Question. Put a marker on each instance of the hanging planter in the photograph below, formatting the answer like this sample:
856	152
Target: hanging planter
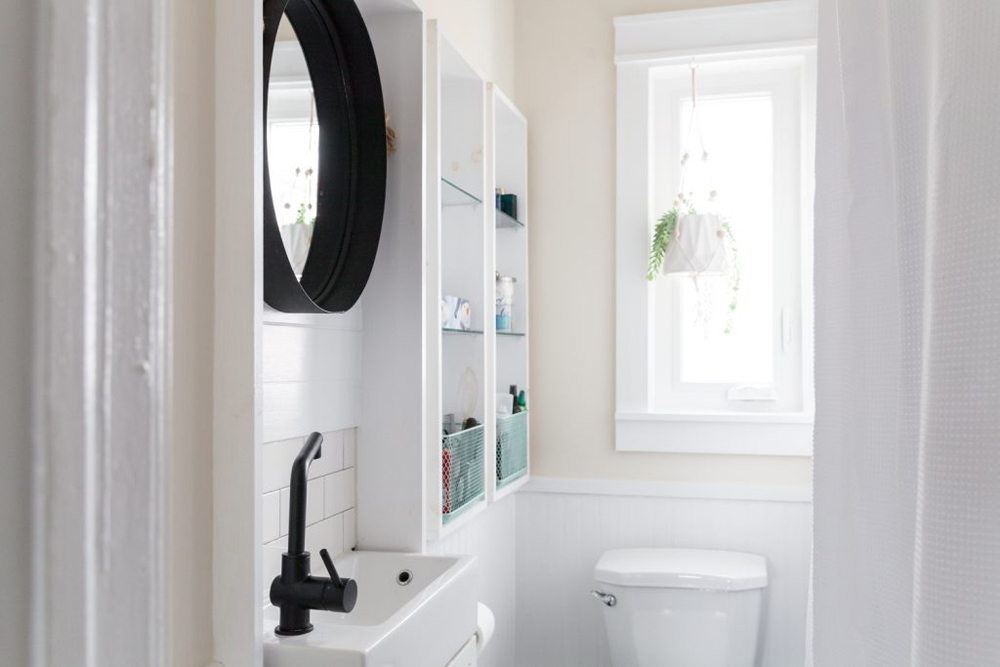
697	247
297	237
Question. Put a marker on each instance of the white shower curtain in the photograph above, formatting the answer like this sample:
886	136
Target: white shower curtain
907	446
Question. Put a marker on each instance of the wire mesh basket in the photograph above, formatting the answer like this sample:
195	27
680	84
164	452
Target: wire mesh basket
462	471
512	447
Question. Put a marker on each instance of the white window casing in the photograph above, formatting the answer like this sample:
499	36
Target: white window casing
654	411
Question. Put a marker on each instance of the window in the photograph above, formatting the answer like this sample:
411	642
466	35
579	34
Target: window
705	355
693	373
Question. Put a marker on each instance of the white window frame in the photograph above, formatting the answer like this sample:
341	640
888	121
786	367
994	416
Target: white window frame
653	40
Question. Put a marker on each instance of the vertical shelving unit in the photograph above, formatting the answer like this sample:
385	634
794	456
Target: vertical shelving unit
509	458
476	142
457	240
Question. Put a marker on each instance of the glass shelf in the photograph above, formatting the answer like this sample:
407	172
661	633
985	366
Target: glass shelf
461	331
452	195
504	221
510	333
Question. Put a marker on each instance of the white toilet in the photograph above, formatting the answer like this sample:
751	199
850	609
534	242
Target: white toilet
681	607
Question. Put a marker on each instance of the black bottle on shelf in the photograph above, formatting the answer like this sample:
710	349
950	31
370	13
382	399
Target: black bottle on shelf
515	407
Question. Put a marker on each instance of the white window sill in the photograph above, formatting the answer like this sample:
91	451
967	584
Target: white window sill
762	434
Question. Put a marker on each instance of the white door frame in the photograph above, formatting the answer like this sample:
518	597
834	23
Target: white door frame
102	333
237	376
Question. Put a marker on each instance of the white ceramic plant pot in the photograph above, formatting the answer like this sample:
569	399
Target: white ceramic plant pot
297	238
697	247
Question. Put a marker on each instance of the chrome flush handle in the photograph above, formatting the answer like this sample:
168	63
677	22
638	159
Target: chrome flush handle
607	598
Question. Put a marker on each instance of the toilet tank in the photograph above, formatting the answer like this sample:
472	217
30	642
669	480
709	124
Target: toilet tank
682	607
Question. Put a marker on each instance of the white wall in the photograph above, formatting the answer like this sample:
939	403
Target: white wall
483	32
16	252
560	537
566	87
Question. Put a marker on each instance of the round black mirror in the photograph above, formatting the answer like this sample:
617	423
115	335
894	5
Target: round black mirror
324	155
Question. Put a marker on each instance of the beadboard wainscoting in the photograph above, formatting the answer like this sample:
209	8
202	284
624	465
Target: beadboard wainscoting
491	538
564	526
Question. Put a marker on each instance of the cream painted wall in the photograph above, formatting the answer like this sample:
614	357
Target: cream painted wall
566	87
193	285
483	32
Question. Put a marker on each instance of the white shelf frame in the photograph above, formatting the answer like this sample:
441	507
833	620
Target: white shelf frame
439	52
498	101
436	347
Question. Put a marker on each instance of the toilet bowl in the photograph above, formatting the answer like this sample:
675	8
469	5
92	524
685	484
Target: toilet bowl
681	607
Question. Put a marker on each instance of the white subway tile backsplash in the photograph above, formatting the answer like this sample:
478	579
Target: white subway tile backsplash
314	501
271	516
278	458
314	504
285	495
340	492
350	530
333	455
327	534
277	463
270	565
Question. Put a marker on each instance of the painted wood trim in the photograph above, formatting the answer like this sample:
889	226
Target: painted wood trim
607	487
392	429
735	28
722	434
489	325
495	97
102	360
236	459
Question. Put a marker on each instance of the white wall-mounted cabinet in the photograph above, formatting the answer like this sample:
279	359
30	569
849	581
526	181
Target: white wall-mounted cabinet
467	242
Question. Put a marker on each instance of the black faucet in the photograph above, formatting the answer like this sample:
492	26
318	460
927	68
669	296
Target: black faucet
295	591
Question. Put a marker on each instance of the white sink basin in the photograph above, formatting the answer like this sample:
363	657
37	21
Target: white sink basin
421	624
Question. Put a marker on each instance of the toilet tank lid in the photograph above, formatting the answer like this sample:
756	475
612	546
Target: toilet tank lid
682	568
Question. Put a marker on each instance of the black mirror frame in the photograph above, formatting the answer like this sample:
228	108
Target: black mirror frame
351	182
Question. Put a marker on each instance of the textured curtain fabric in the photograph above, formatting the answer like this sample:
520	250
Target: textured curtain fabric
907	445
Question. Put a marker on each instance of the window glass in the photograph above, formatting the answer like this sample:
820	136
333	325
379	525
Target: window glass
717	344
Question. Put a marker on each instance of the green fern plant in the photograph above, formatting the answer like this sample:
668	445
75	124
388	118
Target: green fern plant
662	235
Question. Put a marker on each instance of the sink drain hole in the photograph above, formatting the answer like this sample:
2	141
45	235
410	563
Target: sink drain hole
404	577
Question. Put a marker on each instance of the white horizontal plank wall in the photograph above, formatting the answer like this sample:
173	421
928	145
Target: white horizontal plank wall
312	373
491	538
392	417
560	537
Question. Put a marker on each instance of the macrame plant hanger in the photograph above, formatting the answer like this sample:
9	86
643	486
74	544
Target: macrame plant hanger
697	248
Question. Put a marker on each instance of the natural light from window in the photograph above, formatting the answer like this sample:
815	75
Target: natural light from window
718	345
729	340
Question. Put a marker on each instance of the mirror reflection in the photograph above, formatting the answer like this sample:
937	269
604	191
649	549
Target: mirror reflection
293	146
